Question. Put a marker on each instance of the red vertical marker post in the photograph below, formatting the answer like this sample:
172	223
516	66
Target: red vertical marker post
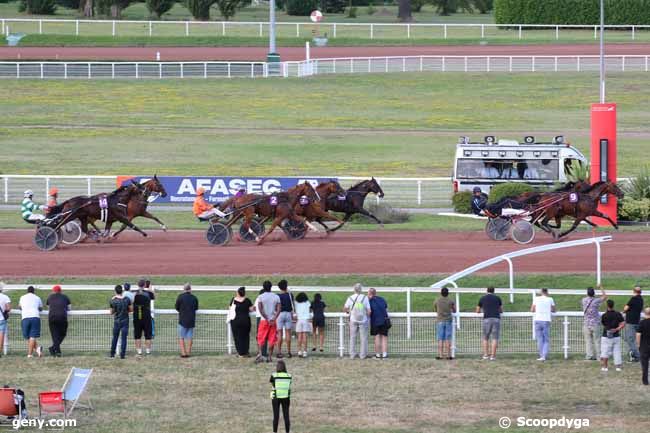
603	155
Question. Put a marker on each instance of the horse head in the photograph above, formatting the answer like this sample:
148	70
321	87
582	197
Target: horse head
373	186
330	187
612	188
154	185
307	189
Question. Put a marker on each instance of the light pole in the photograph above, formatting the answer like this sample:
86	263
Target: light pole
273	56
602	52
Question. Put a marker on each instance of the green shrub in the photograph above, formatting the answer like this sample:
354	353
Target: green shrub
578	171
200	9
301	8
509	189
416	5
352	12
638	187
333	6
70	4
462	202
157	8
371	10
38	7
635	210
384	212
361	2
586	12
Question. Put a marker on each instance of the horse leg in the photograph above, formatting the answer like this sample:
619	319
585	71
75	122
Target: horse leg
119	231
575	225
146	214
276	222
129	224
345	219
597	213
362	211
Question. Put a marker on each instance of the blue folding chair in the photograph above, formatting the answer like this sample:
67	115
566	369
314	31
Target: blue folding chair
75	387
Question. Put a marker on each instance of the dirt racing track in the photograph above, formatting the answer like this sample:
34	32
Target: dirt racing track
382	252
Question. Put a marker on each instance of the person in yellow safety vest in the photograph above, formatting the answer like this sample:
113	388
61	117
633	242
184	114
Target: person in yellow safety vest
202	209
281	396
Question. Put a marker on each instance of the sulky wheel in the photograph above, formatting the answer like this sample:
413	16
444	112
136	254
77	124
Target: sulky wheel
247	236
294	230
70	233
46	238
219	234
522	232
498	228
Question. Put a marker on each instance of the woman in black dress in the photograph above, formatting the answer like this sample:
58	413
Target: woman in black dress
318	308
241	324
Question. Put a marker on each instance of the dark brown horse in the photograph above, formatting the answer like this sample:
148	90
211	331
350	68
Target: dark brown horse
353	199
579	205
104	207
137	206
278	207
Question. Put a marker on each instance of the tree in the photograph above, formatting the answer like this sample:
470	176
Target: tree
228	8
483	6
448	7
200	9
404	11
158	8
87	8
112	8
37	7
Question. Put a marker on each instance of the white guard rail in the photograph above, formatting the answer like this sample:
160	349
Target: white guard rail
549	32
349	65
90	331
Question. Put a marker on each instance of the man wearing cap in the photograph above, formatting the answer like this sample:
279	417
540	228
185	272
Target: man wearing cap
59	305
53	197
479	200
202	209
632	311
27	208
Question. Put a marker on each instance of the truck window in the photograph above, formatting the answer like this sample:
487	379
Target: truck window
517	169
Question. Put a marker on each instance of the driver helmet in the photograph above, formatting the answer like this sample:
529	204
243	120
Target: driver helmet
477	189
200	191
53	191
28	194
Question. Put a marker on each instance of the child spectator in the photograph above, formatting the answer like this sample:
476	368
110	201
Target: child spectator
318	321
303	326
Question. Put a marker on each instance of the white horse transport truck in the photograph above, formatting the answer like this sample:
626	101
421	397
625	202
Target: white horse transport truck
492	161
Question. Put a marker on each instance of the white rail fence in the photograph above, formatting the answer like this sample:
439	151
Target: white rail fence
350	65
91	331
403	192
334	30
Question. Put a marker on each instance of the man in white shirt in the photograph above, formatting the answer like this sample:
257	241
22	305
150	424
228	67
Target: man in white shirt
30	310
5	307
543	307
358	307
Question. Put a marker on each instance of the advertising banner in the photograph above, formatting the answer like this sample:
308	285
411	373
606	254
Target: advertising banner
182	189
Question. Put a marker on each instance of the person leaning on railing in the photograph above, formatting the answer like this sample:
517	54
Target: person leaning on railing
591	322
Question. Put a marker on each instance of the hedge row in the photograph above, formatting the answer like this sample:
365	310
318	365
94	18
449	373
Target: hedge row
585	12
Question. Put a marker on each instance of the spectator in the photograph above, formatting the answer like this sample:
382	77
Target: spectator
285	319
258	317
632	311
492	307
149	290
445	308
379	323
543	307
30	310
613	323
5	308
120	309
186	305
269	306
358	307
318	321
59	305
281	396
127	293
142	323
643	341
241	324
591	322
303	325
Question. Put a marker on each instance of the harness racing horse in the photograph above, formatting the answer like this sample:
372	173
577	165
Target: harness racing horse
580	206
137	206
352	201
316	210
106	207
279	207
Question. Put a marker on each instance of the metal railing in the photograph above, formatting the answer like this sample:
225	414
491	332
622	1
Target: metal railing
85	27
348	65
402	192
492	64
411	333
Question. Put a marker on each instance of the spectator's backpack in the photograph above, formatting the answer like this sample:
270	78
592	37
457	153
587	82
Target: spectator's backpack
358	311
